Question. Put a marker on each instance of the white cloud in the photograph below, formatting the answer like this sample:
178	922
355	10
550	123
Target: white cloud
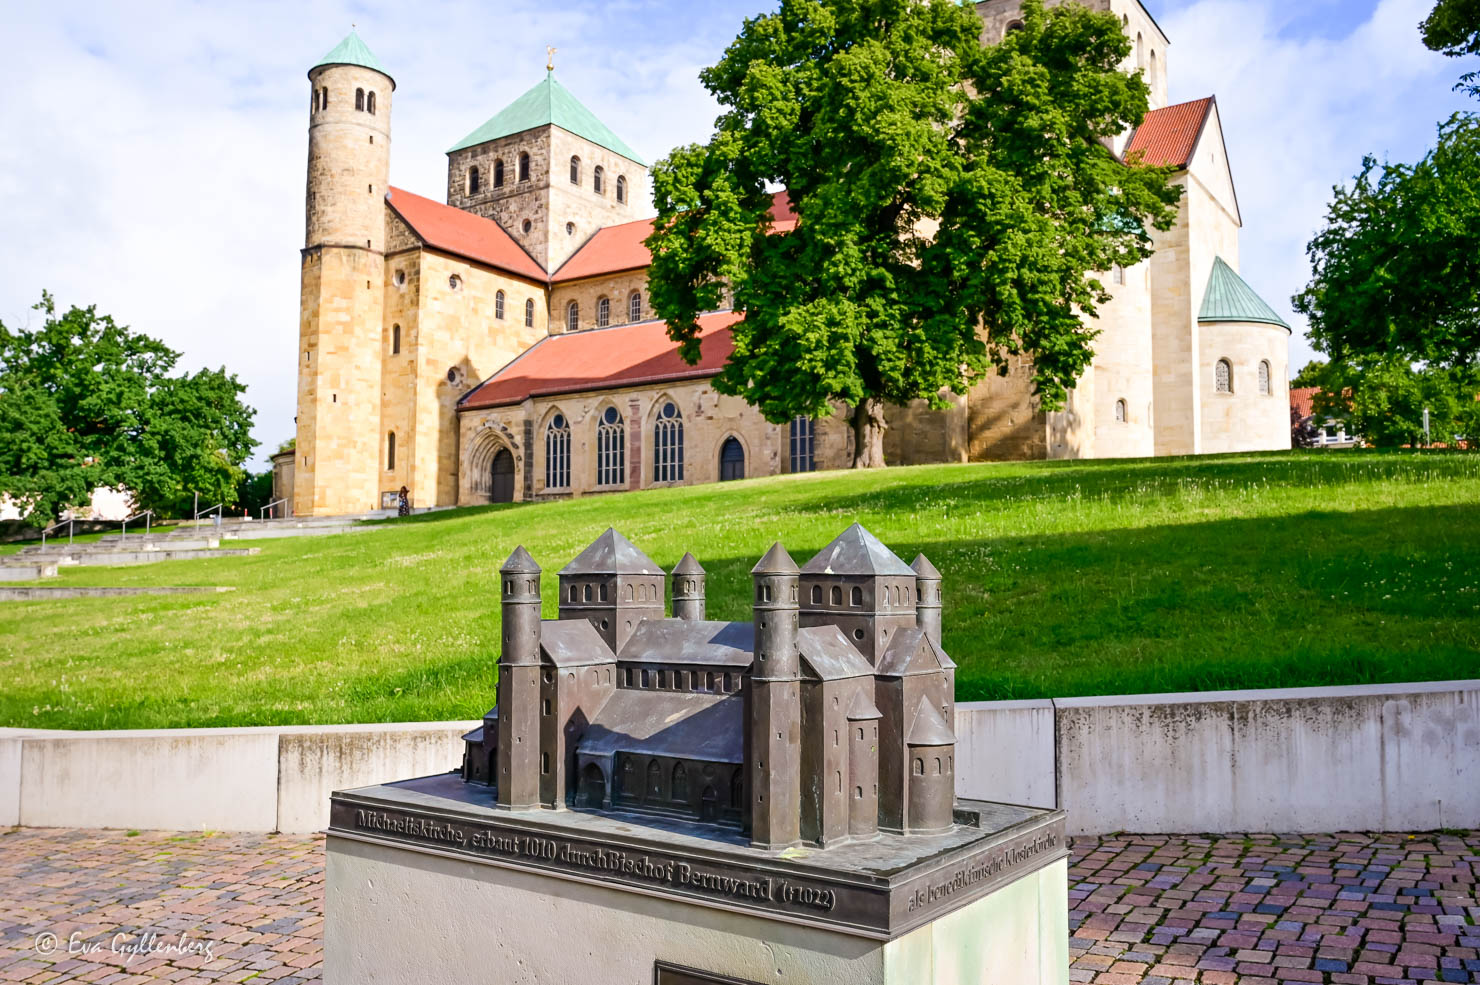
1300	112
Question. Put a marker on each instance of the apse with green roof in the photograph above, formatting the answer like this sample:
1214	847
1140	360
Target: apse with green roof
1229	298
548	171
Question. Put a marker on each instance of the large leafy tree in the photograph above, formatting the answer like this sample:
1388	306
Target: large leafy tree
953	202
1453	27
85	402
1396	270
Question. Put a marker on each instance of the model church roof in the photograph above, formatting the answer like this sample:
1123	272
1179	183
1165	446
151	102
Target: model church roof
611	554
855	551
353	51
1230	298
684	641
548	104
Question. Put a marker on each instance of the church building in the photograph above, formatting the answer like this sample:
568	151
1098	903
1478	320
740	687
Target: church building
500	346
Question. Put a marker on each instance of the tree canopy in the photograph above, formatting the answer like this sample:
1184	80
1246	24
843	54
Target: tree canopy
1453	27
953	203
1396	270
1384	400
85	403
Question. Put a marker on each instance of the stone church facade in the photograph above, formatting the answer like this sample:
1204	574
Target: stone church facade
500	346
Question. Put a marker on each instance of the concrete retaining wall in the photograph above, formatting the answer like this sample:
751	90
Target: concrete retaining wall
1380	757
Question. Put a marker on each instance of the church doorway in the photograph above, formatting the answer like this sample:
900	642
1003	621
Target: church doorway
731	460
709	804
593	787
502	489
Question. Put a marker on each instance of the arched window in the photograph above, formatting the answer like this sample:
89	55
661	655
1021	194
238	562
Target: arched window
390	452
621	189
680	791
557	454
1117	274
611	449
919	767
575	170
855	597
603	312
572	316
529	312
498	305
654	782
360	99
1265	386
498	173
1120	410
668	445
816	594
1140	51
1223	376
634	306
1014	26
731	460
370	102
837	595
473	182
802	437
598	180
524	168
324	98
395	340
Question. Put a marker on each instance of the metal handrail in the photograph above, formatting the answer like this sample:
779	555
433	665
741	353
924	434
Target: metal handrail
211	509
71	529
148	516
275	502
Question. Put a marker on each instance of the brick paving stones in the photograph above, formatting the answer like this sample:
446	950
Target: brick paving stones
1343	909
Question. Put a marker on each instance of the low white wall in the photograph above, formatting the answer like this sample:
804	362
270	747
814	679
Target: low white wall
1380	757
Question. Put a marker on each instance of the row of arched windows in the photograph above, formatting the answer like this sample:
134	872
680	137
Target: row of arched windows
603	312
476	177
364	101
598	179
1223	377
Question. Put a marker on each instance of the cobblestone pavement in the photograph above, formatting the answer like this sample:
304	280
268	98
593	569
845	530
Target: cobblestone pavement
1145	910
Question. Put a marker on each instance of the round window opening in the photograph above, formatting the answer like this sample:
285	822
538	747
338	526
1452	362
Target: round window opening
528	225
670	411
559	422
454	282
858	634
570	229
611	416
400	278
452	375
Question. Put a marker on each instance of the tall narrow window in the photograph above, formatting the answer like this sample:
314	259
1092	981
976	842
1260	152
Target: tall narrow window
1223	376
498	173
575	170
1117	274
1120	410
557	454
572	316
603	312
360	99
370	102
395	340
390	452
668	445
498	305
634	306
529	312
621	190
680	785
611	449
803	433
473	180
598	180
524	167
324	98
1265	386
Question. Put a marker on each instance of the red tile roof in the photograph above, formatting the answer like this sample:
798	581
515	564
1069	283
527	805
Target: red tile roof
1301	399
1168	136
603	359
443	227
613	249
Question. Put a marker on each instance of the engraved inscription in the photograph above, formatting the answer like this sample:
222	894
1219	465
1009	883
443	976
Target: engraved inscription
984	867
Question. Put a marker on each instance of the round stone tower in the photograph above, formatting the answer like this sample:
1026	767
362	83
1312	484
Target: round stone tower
341	454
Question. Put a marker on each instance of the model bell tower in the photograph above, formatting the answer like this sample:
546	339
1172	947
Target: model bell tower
518	778
774	756
339	453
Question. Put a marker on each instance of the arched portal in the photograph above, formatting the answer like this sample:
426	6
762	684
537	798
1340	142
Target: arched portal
501	488
731	460
593	787
709	804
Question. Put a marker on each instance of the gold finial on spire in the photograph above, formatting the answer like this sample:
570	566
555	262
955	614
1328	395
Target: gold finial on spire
550	58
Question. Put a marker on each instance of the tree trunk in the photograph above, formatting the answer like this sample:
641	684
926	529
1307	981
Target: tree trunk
868	434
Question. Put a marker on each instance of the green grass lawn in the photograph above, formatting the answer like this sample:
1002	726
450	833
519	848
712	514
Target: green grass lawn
1337	567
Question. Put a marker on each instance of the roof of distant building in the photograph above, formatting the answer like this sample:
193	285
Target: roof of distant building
462	233
604	358
1168	137
548	103
1303	399
353	51
1230	298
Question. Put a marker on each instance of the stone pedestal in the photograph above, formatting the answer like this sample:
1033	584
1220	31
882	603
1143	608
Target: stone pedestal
428	883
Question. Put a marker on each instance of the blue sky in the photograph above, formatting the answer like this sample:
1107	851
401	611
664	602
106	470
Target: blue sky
153	161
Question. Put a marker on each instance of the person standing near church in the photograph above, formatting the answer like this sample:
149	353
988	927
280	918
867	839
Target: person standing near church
403	502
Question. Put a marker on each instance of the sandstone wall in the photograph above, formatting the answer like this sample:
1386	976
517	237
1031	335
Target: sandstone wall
1173	341
515	202
1122	368
577	210
1245	419
586	293
348	160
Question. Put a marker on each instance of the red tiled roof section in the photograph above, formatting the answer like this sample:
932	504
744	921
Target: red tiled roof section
613	249
1301	398
604	359
1168	136
462	233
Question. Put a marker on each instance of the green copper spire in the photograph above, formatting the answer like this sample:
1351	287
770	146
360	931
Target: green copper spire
548	103
1228	298
352	51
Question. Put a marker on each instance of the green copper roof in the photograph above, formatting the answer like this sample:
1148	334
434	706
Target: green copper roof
352	51
1228	298
548	103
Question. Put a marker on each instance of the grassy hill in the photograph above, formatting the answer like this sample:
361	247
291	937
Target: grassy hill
1060	578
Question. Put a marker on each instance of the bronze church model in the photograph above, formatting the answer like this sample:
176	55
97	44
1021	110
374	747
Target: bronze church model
827	719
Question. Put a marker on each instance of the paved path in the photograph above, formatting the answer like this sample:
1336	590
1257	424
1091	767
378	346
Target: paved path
1342	909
